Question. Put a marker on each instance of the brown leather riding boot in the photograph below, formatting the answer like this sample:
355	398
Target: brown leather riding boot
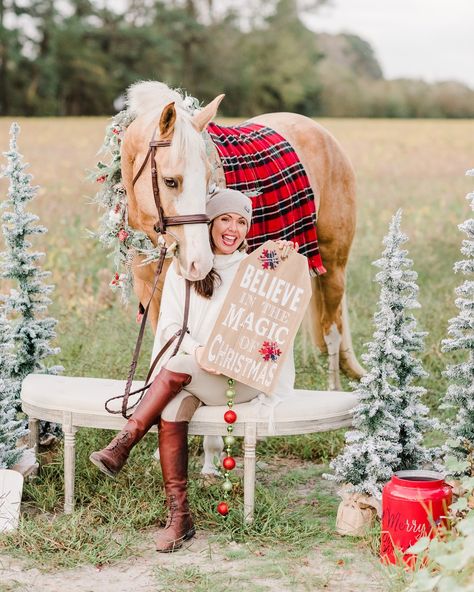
165	387
173	444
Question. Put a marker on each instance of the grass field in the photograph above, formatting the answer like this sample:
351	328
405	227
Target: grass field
416	165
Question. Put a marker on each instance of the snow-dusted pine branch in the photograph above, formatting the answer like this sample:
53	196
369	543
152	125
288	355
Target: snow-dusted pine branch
28	299
11	429
390	420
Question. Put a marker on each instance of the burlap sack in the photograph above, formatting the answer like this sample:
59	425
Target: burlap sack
356	513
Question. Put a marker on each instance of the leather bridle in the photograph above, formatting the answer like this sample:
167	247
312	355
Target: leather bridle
160	228
164	221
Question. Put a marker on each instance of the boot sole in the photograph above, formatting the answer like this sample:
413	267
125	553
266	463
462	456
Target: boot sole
100	465
177	544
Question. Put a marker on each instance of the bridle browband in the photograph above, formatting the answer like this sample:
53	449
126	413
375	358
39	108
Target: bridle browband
160	228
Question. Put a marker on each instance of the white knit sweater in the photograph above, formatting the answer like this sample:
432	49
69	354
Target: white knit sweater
203	313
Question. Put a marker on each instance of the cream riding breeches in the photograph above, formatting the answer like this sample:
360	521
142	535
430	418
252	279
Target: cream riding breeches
204	389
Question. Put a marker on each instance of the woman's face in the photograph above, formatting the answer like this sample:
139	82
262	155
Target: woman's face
228	232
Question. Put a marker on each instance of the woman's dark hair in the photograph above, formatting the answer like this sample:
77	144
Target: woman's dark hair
205	287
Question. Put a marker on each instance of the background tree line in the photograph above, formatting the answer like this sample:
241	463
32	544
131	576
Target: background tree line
76	57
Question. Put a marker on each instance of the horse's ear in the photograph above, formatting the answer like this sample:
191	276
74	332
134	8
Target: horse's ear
167	120
203	117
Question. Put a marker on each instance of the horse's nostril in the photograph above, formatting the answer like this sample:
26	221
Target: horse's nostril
196	268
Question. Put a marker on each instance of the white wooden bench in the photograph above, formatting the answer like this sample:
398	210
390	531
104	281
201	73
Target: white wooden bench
76	402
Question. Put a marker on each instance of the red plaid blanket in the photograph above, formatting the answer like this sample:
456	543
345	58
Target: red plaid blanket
261	163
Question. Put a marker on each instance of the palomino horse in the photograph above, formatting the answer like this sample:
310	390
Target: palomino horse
183	177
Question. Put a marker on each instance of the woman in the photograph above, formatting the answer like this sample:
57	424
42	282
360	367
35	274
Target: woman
183	382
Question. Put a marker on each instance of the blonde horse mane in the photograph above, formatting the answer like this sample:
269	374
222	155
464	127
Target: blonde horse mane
148	99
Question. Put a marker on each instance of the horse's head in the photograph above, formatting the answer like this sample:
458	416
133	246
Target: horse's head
182	171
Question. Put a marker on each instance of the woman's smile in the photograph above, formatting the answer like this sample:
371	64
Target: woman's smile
228	239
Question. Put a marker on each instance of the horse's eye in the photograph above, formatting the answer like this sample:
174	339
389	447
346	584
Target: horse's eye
170	182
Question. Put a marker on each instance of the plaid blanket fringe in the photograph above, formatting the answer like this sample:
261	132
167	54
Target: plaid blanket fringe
261	163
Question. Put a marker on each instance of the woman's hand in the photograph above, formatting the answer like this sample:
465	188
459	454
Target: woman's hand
286	246
198	355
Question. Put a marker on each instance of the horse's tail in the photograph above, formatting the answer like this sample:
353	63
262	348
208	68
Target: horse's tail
312	329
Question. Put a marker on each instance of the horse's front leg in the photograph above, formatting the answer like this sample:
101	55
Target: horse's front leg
143	279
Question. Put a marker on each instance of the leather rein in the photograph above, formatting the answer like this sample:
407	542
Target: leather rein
160	228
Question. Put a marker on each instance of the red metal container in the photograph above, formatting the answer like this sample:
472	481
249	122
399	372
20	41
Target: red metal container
413	505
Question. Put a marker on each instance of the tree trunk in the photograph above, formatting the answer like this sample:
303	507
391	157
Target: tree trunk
188	44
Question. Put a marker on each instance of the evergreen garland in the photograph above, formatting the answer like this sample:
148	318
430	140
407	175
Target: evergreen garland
28	300
114	233
460	392
390	419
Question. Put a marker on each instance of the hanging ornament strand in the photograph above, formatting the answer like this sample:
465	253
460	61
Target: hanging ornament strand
228	462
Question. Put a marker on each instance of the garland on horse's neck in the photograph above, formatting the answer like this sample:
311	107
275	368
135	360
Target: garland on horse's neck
114	233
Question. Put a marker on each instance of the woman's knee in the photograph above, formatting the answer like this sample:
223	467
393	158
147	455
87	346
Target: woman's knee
184	363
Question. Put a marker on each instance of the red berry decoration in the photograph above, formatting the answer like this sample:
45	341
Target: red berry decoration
223	509
230	416
228	463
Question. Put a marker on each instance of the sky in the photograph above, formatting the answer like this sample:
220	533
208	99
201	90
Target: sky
428	39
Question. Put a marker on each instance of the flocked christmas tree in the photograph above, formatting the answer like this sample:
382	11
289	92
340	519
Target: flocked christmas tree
11	429
27	301
460	392
390	420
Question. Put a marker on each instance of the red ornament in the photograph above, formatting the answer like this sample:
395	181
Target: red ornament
230	416
228	463
101	179
223	509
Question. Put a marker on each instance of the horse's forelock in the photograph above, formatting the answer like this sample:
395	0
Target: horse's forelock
150	97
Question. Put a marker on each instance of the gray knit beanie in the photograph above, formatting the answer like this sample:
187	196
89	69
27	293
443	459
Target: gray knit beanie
229	201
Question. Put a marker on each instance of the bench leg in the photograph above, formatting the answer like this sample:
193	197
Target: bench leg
33	436
33	442
250	442
69	462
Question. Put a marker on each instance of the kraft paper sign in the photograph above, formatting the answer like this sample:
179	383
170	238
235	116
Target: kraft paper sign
260	317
